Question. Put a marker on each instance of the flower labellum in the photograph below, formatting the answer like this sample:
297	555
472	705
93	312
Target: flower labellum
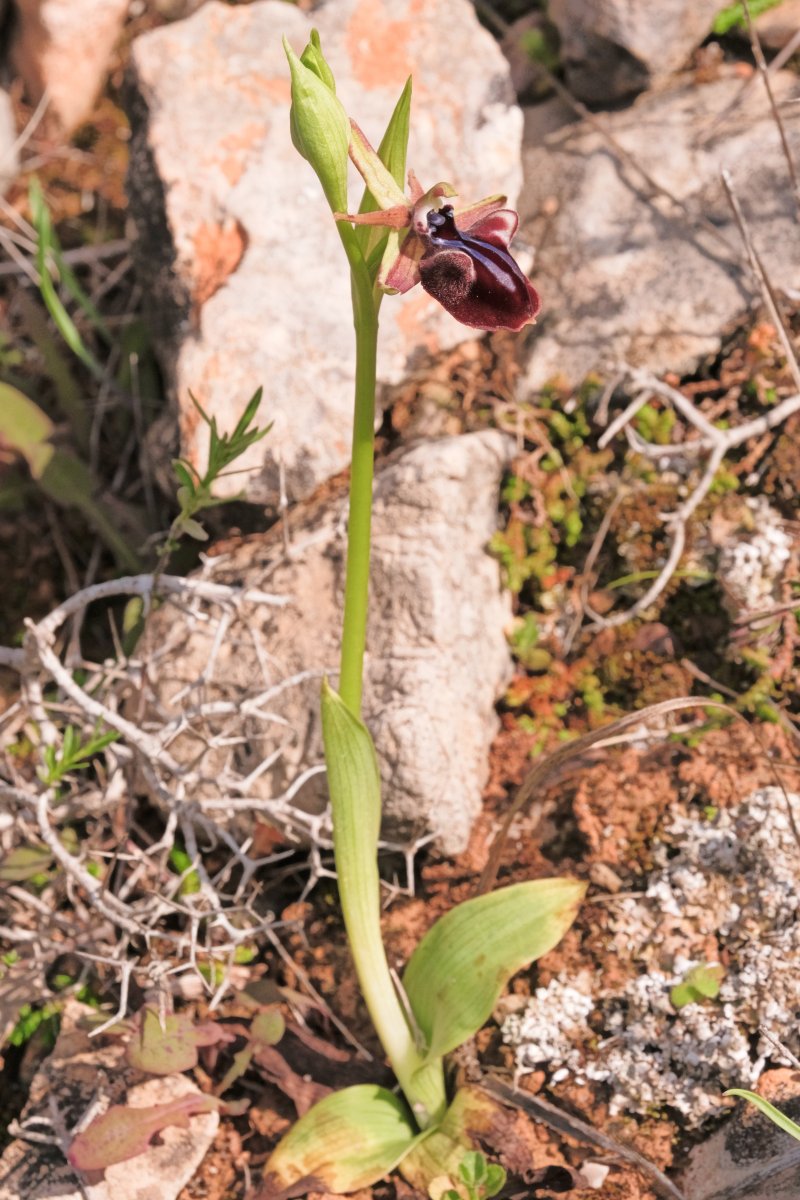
471	273
460	256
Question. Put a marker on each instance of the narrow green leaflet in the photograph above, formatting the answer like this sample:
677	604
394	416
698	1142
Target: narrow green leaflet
350	1140
47	249
769	1110
459	969
392	152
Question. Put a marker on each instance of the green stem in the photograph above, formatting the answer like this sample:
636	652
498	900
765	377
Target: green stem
356	590
357	816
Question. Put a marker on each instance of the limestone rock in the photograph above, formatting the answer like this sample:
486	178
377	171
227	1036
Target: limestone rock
245	275
777	26
437	656
64	46
625	274
613	49
79	1072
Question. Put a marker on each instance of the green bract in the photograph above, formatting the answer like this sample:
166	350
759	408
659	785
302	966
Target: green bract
319	125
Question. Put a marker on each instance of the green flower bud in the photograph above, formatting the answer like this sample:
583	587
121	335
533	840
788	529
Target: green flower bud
319	125
314	59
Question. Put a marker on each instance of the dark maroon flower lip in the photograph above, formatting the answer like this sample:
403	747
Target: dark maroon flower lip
471	272
460	255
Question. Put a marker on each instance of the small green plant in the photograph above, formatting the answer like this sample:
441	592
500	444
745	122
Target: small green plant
478	1179
73	754
734	14
354	1137
195	490
195	495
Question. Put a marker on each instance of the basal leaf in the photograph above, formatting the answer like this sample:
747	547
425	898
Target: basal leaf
121	1132
25	428
24	863
459	969
162	1046
440	1154
347	1141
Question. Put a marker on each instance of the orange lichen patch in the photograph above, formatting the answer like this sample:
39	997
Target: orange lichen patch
378	47
255	88
218	250
236	147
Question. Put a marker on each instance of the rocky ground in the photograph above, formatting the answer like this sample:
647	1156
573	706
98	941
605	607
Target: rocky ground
592	519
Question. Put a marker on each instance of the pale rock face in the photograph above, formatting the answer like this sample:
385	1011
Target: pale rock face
64	46
777	26
613	49
247	280
437	658
625	275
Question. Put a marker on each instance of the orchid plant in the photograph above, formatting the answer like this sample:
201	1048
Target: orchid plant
460	255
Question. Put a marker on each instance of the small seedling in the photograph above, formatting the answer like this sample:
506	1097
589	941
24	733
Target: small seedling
195	490
479	1179
73	754
700	983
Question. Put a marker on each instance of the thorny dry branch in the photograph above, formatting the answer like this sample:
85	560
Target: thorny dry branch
149	928
714	442
115	901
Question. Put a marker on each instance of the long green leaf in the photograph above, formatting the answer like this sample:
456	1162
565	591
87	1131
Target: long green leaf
46	250
350	1140
459	969
769	1110
58	366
